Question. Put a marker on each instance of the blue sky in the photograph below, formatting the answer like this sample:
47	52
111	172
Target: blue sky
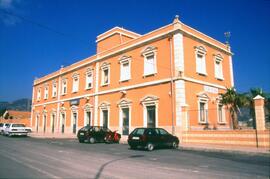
29	50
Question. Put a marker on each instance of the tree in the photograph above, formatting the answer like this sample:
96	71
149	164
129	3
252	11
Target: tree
234	102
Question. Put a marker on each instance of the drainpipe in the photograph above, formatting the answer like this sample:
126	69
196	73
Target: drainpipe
171	85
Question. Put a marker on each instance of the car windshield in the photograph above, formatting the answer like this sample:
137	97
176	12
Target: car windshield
18	125
138	132
86	127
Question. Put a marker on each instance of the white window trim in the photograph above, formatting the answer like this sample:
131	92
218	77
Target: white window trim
123	60
51	120
75	87
89	71
54	89
200	50
223	112
203	99
44	115
63	111
46	91
74	110
88	108
37	122
149	51
104	106
218	58
124	103
103	67
62	90
39	94
149	101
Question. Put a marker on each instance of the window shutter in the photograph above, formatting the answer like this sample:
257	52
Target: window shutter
149	65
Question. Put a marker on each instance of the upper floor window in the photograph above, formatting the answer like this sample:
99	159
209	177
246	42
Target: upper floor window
64	86
89	79
75	84
54	89
124	68
200	53
39	94
218	67
105	74
46	92
150	61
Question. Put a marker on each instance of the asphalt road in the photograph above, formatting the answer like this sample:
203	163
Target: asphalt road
63	158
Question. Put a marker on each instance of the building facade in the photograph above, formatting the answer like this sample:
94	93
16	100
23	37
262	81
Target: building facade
171	77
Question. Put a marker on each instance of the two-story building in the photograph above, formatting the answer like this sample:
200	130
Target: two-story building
170	77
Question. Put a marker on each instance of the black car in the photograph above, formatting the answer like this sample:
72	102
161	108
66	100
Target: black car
93	134
151	138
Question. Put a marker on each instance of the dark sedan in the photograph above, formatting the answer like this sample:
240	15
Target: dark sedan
151	138
93	134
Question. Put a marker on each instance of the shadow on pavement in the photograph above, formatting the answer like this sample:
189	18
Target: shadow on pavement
99	173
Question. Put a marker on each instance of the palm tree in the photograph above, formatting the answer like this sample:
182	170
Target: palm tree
233	101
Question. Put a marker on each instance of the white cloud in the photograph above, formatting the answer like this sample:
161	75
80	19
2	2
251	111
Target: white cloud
10	6
6	4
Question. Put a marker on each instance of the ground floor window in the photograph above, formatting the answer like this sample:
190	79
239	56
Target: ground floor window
88	118
221	117
105	118
125	120
37	122
53	122
63	119
151	116
75	118
203	113
44	123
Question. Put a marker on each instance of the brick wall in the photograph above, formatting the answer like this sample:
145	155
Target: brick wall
241	138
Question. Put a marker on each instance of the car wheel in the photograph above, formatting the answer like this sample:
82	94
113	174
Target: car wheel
150	147
174	145
92	140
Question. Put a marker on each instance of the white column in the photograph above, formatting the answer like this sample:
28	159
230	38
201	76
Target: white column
231	70
178	52
180	100
96	95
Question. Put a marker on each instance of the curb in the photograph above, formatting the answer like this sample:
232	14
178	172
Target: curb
266	153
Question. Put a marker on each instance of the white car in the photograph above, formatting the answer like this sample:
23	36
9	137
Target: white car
3	127
15	130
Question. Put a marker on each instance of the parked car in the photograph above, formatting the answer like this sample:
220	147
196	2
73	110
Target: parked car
93	134
15	130
3	127
29	129
150	138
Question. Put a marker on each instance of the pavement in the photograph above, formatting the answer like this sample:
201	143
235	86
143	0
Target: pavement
30	157
195	147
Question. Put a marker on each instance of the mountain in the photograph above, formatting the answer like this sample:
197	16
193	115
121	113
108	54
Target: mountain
19	105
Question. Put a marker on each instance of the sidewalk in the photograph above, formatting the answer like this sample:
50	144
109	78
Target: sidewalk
194	147
52	136
228	149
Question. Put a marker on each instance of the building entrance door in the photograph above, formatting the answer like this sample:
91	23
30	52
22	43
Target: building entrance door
44	123
105	118
74	123
53	119
151	116
63	123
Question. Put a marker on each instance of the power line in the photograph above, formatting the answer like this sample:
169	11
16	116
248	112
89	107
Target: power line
62	33
41	25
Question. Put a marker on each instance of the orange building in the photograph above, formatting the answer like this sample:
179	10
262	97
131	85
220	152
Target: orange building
170	77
